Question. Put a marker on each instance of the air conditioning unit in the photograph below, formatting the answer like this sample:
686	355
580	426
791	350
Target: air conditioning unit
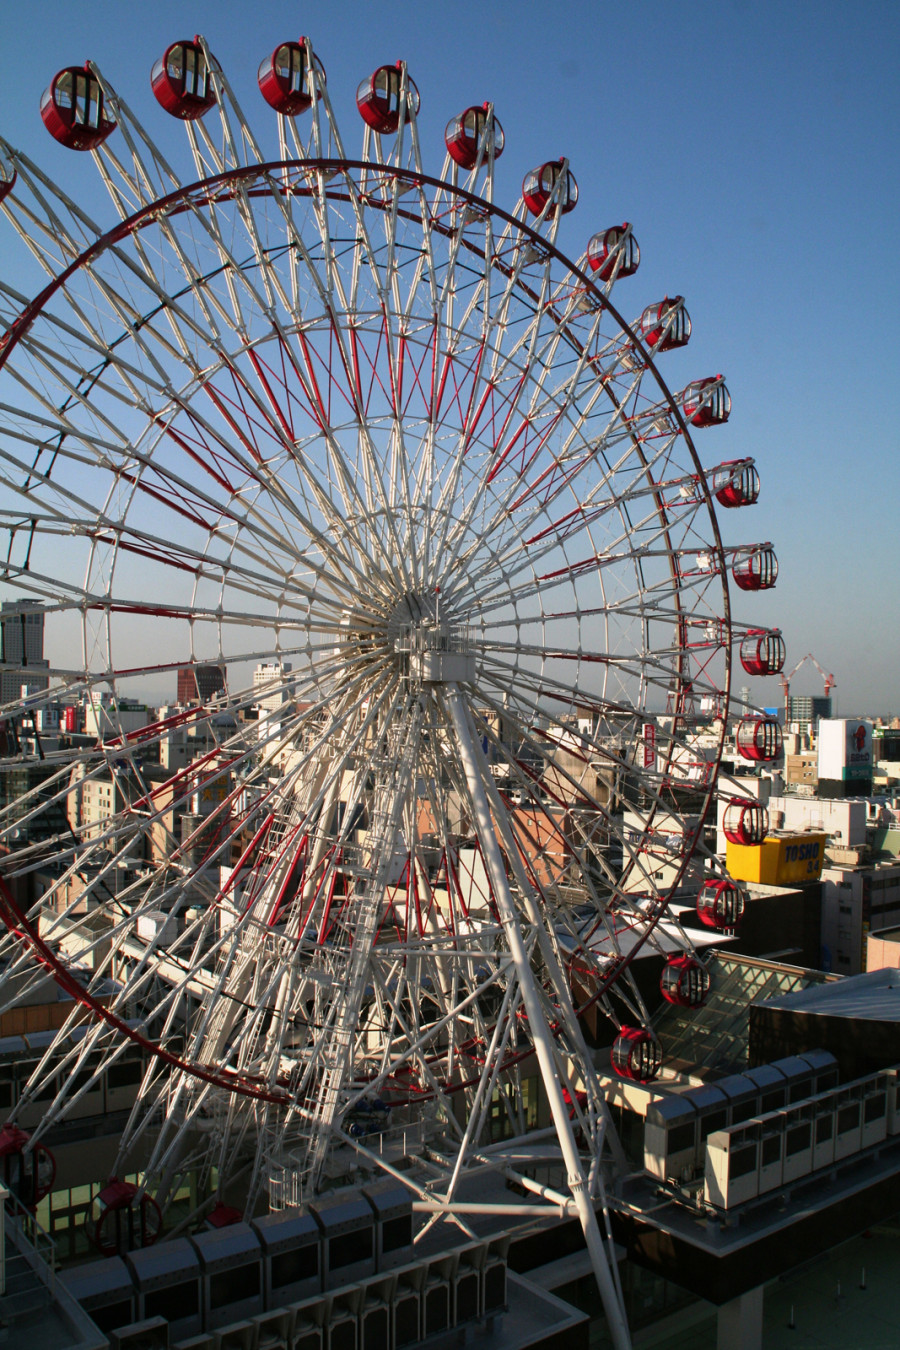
874	1112
798	1140
237	1336
376	1313
274	1330
495	1298
848	1124
437	1311
407	1309
771	1153
232	1279
732	1166
308	1335
468	1286
823	1132
150	1334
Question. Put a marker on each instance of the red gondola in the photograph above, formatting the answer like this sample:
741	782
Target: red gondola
759	739
123	1218
684	982
755	569
762	652
74	110
8	177
612	248
378	99
736	484
636	1055
746	821
466	134
580	1100
28	1173
284	78
538	187
181	82
706	403
666	324
223	1216
720	905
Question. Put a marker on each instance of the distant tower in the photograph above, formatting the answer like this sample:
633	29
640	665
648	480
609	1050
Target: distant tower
198	684
744	697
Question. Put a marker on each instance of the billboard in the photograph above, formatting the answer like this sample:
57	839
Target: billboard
845	749
781	860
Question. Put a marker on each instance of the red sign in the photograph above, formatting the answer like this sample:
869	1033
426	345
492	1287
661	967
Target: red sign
649	745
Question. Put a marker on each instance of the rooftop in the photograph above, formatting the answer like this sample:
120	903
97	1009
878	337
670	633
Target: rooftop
874	997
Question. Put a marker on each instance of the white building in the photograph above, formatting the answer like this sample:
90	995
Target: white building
107	718
855	899
269	678
654	856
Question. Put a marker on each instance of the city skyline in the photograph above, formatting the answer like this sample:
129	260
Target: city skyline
731	139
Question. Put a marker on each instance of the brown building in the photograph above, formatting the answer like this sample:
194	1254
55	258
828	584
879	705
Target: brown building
801	769
198	684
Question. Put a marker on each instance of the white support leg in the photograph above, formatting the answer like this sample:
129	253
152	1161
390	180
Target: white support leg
739	1325
543	1039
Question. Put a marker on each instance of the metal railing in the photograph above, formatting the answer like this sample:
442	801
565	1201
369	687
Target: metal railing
29	1261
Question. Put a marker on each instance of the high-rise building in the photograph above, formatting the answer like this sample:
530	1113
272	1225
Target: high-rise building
197	684
269	678
805	708
22	624
22	634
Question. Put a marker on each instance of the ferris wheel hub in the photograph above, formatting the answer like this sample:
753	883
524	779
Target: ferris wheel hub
438	654
410	612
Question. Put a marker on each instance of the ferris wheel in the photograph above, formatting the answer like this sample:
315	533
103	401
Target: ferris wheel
361	439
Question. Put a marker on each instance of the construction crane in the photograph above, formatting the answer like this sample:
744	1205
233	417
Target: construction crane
830	682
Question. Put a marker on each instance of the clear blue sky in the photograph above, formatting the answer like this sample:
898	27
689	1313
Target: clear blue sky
754	147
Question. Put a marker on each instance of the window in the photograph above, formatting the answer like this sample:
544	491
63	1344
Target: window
848	1118
796	1140
396	1233
716	1120
124	1074
743	1161
679	1138
299	1263
233	1285
504	1123
874	1108
349	1248
179	1300
49	1090
771	1149
824	1129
